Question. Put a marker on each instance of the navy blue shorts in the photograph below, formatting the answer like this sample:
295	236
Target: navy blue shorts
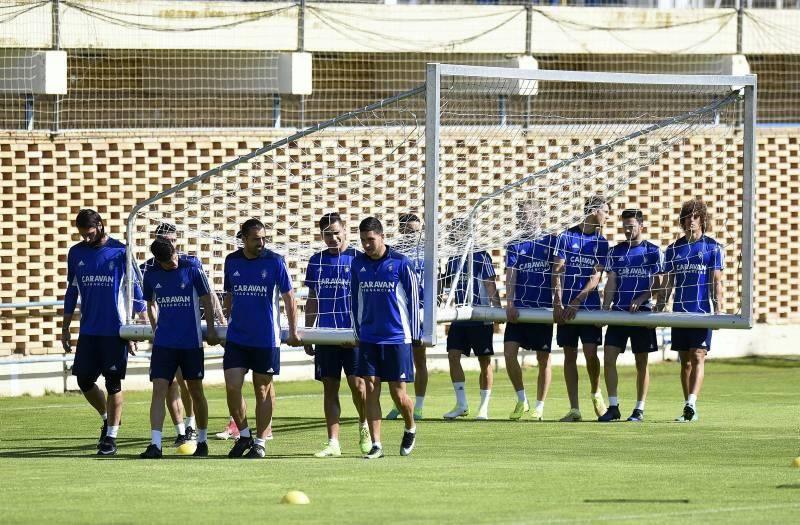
164	363
531	336
568	334
685	339
329	361
643	339
259	360
388	362
471	337
100	354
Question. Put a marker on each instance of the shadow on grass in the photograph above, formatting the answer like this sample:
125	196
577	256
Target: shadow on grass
765	361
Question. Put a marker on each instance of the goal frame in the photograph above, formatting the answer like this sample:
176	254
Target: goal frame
434	315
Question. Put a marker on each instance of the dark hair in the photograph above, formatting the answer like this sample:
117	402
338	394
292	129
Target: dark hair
162	250
632	213
594	203
405	218
691	207
371	224
329	218
250	224
88	219
164	228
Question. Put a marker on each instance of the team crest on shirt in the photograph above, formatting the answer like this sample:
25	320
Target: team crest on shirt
346	269
391	267
183	285
263	274
111	265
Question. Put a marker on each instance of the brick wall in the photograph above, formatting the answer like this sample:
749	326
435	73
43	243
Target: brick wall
45	181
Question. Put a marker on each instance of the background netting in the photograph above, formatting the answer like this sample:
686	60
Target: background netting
645	147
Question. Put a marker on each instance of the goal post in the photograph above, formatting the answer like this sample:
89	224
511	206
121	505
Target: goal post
557	138
488	157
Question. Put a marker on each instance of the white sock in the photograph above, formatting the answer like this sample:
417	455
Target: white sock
461	394
692	400
155	438
539	404
377	444
105	416
521	395
485	395
640	405
180	428
598	394
364	424
245	432
189	422
412	430
334	442
202	435
613	401
260	442
419	402
112	431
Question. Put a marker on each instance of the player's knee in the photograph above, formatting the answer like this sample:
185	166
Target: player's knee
113	385
85	384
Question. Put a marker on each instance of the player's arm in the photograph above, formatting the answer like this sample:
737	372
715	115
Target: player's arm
491	291
208	310
205	294
557	284
643	297
610	290
311	310
354	302
512	314
70	302
227	302
594	280
662	298
152	315
716	297
290	304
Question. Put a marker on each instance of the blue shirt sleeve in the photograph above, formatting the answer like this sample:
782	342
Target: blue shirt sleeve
511	256
719	257
560	247
311	272
409	281
668	265
147	288
138	298
602	253
354	298
200	282
487	268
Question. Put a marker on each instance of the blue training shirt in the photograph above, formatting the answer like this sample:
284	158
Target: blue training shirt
634	267
384	299
582	253
482	271
693	265
97	275
177	293
329	276
533	262
255	286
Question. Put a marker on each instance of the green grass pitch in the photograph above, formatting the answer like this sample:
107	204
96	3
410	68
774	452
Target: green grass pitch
733	466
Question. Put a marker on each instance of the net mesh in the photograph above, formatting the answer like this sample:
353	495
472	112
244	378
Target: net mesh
515	179
350	167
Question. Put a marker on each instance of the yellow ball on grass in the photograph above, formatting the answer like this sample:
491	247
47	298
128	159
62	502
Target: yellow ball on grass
296	497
